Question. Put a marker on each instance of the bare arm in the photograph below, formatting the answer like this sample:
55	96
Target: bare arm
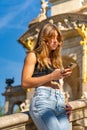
31	82
27	80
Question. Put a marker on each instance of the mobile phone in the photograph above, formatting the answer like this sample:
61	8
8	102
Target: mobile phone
72	66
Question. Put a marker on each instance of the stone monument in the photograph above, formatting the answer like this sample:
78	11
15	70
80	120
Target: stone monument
72	51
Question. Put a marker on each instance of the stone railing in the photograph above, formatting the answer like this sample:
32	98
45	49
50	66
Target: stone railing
22	121
78	119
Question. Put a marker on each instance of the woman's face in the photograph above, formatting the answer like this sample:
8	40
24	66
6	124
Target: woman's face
53	43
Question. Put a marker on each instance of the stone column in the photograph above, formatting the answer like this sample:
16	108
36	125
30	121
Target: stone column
6	109
8	106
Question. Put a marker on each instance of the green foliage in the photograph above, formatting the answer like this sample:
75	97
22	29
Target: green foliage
1	110
16	109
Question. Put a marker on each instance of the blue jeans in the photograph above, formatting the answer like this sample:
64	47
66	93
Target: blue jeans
47	109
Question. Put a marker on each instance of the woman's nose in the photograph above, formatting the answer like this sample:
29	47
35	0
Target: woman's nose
55	40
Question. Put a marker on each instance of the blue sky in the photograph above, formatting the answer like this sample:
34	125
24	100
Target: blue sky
15	16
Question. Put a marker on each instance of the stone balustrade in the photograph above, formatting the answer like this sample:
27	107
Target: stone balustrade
22	121
17	121
78	117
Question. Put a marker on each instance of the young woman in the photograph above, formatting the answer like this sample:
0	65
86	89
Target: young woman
43	70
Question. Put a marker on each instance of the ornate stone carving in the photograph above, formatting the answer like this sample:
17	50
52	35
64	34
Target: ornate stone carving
84	96
82	30
25	106
43	13
9	81
44	7
72	18
29	43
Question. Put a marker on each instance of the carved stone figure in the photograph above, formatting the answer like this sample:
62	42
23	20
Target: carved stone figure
44	7
25	106
9	81
29	44
43	13
84	96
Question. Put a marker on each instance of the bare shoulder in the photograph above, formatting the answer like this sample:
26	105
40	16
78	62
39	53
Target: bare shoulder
30	57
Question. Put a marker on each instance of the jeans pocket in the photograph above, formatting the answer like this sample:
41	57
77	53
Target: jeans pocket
42	102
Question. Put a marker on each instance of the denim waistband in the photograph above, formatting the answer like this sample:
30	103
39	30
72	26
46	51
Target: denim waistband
48	89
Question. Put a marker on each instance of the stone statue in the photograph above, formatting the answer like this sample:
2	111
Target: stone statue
9	81
25	106
67	23
43	13
44	7
84	96
60	26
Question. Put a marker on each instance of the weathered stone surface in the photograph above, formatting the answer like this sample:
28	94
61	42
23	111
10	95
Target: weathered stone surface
78	128
22	121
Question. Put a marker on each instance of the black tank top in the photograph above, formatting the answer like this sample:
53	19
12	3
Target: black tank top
45	71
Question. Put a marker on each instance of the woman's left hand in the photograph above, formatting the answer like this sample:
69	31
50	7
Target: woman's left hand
68	110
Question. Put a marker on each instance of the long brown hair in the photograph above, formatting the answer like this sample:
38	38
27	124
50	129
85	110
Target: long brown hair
46	33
